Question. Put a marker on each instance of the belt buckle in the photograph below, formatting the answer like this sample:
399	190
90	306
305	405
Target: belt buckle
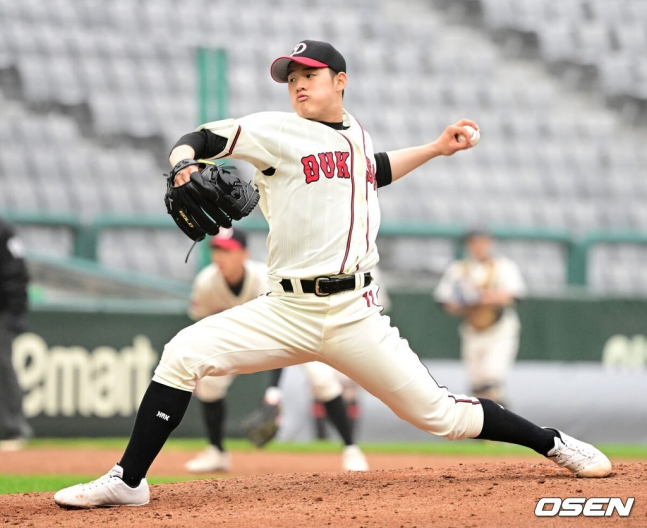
318	292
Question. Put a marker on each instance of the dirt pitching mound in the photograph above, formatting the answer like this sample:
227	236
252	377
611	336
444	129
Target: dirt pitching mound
468	494
97	462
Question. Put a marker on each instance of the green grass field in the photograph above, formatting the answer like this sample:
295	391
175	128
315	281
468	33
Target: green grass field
41	483
38	483
322	446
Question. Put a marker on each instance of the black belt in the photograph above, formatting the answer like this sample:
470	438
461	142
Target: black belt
324	286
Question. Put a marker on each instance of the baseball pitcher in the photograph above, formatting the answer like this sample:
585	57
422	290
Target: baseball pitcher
318	177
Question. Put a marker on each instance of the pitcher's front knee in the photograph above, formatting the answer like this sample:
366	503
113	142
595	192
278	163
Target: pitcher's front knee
177	364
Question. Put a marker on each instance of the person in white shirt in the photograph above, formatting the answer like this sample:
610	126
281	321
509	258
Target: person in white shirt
482	289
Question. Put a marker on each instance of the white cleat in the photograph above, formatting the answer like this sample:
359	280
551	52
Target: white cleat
353	459
14	444
581	458
209	461
106	491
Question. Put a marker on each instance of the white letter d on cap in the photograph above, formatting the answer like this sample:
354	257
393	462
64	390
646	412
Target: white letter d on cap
299	48
556	502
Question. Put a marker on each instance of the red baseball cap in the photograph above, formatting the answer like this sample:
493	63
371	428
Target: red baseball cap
313	53
230	239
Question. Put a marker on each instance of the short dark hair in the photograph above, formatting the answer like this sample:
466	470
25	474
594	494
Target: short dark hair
477	232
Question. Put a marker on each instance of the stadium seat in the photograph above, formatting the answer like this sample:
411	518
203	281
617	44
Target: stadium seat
547	158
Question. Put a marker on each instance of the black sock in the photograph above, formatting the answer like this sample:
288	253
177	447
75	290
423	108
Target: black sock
275	377
504	426
318	410
160	412
214	413
353	412
336	411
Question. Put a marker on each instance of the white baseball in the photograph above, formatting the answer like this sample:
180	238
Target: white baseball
474	134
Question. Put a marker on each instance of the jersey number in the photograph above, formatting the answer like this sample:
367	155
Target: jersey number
370	299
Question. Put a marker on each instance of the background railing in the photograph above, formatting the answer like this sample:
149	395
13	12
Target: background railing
86	234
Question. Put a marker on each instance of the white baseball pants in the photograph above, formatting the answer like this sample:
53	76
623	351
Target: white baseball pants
345	331
489	355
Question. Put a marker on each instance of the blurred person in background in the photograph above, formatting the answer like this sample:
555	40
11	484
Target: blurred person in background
231	280
14	429
482	289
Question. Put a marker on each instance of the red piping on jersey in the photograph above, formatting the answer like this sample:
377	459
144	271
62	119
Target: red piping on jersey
367	168
352	201
450	395
233	143
464	401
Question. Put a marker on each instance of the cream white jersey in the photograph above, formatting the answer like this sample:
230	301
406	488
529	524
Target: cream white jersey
318	191
464	279
211	294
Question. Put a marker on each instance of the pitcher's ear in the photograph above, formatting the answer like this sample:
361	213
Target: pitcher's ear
342	79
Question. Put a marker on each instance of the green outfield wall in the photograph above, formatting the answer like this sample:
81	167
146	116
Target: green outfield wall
84	371
579	328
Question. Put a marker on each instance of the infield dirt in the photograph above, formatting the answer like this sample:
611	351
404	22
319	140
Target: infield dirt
306	490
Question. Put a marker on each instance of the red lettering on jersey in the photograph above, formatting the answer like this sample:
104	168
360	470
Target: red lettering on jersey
310	168
342	165
369	298
327	164
370	174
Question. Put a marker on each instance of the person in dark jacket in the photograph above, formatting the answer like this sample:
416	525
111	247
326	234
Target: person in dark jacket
14	429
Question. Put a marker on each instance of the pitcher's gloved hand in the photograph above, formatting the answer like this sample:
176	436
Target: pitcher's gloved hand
212	198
